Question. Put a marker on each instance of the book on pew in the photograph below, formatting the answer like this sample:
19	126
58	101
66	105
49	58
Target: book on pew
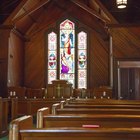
90	126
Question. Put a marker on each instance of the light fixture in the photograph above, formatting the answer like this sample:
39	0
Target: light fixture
121	3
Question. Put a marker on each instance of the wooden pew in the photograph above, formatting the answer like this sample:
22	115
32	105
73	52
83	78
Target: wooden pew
45	120
20	129
102	101
66	104
3	116
24	122
57	109
80	134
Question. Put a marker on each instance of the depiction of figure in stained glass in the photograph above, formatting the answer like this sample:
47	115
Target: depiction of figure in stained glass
67	36
82	60
64	64
67	53
52	60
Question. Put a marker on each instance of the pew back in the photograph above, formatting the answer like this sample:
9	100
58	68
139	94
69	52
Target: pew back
80	134
80	120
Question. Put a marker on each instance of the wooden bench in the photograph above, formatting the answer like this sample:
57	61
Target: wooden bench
24	122
3	116
66	104
45	120
102	101
21	129
80	134
58	109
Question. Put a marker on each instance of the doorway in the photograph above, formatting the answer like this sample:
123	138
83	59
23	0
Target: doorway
129	80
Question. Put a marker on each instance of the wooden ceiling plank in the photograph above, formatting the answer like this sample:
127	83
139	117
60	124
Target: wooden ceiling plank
102	7
8	20
89	10
38	6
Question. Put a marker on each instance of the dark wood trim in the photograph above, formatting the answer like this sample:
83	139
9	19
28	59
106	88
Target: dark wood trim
19	34
117	25
6	26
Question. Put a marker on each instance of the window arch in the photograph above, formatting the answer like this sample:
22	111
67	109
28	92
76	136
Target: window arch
67	54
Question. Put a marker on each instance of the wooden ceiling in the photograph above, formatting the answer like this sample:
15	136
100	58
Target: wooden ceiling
131	14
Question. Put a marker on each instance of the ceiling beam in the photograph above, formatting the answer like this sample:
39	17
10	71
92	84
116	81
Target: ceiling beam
118	25
89	10
30	11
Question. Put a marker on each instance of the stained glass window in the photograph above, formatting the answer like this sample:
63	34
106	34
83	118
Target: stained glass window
67	51
68	59
82	60
52	57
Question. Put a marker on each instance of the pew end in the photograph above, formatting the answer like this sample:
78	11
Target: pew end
24	122
55	107
40	113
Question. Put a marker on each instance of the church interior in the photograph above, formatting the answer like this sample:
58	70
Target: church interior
70	69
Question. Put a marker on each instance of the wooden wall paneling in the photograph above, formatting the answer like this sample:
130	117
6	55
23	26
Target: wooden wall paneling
3	78
15	61
4	39
126	45
35	62
99	62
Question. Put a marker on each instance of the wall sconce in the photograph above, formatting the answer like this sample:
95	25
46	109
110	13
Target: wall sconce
121	3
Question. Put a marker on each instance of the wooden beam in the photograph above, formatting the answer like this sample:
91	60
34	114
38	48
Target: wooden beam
104	9
19	34
12	15
117	25
33	9
89	10
6	26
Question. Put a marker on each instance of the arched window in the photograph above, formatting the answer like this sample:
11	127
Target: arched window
67	55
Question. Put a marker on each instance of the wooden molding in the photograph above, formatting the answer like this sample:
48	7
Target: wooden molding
6	26
23	37
117	25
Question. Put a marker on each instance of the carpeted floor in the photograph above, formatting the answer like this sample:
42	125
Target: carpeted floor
4	138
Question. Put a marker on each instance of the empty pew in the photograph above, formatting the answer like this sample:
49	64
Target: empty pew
47	120
103	101
80	134
66	104
21	129
24	122
58	109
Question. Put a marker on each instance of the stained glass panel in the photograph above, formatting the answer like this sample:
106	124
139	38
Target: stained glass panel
51	76
67	51
82	60
52	56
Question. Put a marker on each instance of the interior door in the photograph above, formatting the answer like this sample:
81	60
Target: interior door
129	83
